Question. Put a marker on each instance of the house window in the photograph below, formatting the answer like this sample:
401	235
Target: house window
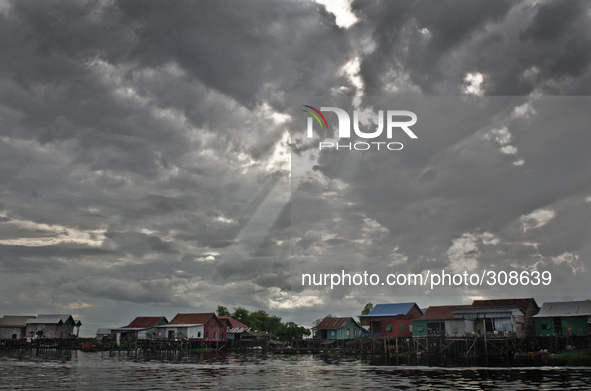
544	326
207	334
341	332
389	327
436	328
348	332
332	332
222	336
401	328
199	334
214	334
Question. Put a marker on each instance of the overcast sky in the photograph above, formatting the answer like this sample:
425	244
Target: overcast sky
145	156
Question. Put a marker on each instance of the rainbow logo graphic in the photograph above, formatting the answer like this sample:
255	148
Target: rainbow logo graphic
316	116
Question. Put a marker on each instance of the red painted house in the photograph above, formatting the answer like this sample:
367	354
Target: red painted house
142	327
392	320
196	327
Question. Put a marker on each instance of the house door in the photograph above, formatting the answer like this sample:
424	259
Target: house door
170	334
488	325
557	325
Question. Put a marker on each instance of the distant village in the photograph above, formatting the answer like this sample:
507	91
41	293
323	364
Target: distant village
500	319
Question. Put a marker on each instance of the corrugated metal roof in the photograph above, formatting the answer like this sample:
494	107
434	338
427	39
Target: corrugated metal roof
441	312
565	309
145	322
177	325
50	319
333	323
233	322
257	334
192	318
521	303
238	330
488	310
103	331
394	309
15	320
123	329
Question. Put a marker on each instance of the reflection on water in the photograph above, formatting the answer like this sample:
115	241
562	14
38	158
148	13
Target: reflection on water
75	370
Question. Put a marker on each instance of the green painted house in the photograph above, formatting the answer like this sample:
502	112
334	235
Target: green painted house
564	318
337	329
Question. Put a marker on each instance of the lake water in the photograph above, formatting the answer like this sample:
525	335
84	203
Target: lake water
76	370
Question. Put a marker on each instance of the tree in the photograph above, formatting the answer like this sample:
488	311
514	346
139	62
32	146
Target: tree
222	311
241	314
271	324
366	310
291	331
259	320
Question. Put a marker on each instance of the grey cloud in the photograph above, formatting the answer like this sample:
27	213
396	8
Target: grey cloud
158	124
517	46
271	51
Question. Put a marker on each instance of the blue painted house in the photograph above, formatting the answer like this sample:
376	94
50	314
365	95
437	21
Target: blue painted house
392	320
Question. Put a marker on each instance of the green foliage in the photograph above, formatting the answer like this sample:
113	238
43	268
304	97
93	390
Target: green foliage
367	309
241	314
570	356
260	320
290	331
223	311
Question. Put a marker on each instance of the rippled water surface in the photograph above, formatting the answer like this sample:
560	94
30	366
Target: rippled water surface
261	371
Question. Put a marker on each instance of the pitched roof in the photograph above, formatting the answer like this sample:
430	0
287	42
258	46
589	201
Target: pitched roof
15	320
521	303
238	330
103	331
145	322
334	323
393	309
186	319
565	309
233	322
441	312
51	319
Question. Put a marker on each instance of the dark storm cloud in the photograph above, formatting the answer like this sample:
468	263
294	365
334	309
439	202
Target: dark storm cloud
502	195
139	140
275	45
144	148
518	47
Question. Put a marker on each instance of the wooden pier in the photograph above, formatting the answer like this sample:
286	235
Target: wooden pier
478	345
